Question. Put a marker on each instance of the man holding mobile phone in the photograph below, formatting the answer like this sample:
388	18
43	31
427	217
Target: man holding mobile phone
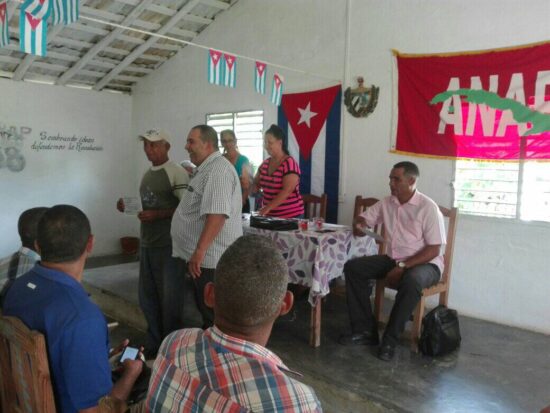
50	299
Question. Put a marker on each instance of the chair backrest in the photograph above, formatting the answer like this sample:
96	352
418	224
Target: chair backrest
452	215
361	204
25	384
315	206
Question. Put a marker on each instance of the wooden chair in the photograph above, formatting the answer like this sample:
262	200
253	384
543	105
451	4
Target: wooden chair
25	384
441	288
361	204
315	206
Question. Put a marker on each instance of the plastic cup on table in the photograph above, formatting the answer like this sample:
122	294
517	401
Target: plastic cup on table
319	222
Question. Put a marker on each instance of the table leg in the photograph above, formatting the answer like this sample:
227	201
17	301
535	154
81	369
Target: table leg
315	324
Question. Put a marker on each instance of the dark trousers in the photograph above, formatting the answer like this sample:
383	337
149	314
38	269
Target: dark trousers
174	291
150	291
361	274
174	286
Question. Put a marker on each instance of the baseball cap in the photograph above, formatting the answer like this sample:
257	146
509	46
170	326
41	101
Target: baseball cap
155	135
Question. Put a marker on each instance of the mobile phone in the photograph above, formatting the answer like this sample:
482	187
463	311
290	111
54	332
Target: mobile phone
129	353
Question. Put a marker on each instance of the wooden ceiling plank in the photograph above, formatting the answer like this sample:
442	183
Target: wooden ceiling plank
216	3
9	59
183	33
99	46
140	49
198	19
30	58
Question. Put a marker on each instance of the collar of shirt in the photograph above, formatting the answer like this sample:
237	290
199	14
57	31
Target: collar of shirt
159	167
33	255
414	200
57	276
246	348
209	159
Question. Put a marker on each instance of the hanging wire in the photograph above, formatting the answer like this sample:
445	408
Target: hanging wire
200	46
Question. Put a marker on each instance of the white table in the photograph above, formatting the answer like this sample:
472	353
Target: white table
315	258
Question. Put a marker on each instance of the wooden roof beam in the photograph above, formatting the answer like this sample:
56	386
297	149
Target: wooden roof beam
142	48
103	43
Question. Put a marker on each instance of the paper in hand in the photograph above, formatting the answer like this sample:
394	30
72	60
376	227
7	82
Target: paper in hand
132	205
373	234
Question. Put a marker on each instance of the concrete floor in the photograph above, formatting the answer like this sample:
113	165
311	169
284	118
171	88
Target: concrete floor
497	369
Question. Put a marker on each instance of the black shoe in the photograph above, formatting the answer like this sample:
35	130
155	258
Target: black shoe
365	338
386	352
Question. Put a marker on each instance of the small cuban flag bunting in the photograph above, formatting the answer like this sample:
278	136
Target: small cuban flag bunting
64	11
4	36
39	9
277	89
259	77
32	30
214	67
229	70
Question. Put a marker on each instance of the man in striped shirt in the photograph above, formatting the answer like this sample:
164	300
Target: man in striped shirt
208	218
24	259
227	367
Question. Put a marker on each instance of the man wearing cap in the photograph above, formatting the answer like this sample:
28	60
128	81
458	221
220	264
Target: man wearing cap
161	189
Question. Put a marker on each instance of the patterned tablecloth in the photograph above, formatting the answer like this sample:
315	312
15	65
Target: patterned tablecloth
315	258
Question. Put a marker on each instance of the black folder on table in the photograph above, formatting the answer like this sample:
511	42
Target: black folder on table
272	223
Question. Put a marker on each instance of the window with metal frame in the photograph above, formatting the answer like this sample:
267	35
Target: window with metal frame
248	128
519	190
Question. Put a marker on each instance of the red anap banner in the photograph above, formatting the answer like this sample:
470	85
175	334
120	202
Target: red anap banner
477	105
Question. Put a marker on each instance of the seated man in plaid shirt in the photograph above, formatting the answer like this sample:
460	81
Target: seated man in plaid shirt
226	368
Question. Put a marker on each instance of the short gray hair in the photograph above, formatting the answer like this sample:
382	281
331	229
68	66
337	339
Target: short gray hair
208	134
228	132
250	281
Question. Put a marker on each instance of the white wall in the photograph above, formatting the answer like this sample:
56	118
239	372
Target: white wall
90	180
493	258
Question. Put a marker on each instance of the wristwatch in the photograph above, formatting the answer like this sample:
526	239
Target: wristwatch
401	264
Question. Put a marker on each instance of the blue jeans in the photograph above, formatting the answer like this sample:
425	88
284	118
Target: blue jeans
151	291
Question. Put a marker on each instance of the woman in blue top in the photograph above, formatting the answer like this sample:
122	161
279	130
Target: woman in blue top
239	161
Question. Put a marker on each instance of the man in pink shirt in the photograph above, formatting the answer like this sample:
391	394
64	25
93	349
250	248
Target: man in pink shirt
415	235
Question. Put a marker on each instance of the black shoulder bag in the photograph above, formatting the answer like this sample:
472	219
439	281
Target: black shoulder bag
440	332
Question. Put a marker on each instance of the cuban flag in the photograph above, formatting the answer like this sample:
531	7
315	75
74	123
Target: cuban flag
260	73
311	121
214	67
229	70
64	11
32	30
4	36
39	9
277	89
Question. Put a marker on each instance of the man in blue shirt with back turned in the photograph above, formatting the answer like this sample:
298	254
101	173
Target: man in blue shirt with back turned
51	299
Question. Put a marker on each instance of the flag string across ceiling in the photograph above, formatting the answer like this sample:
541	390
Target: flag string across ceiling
255	61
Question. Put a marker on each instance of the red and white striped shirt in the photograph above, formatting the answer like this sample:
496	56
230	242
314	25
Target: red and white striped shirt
271	185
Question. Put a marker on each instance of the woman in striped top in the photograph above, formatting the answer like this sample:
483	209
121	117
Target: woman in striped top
279	179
